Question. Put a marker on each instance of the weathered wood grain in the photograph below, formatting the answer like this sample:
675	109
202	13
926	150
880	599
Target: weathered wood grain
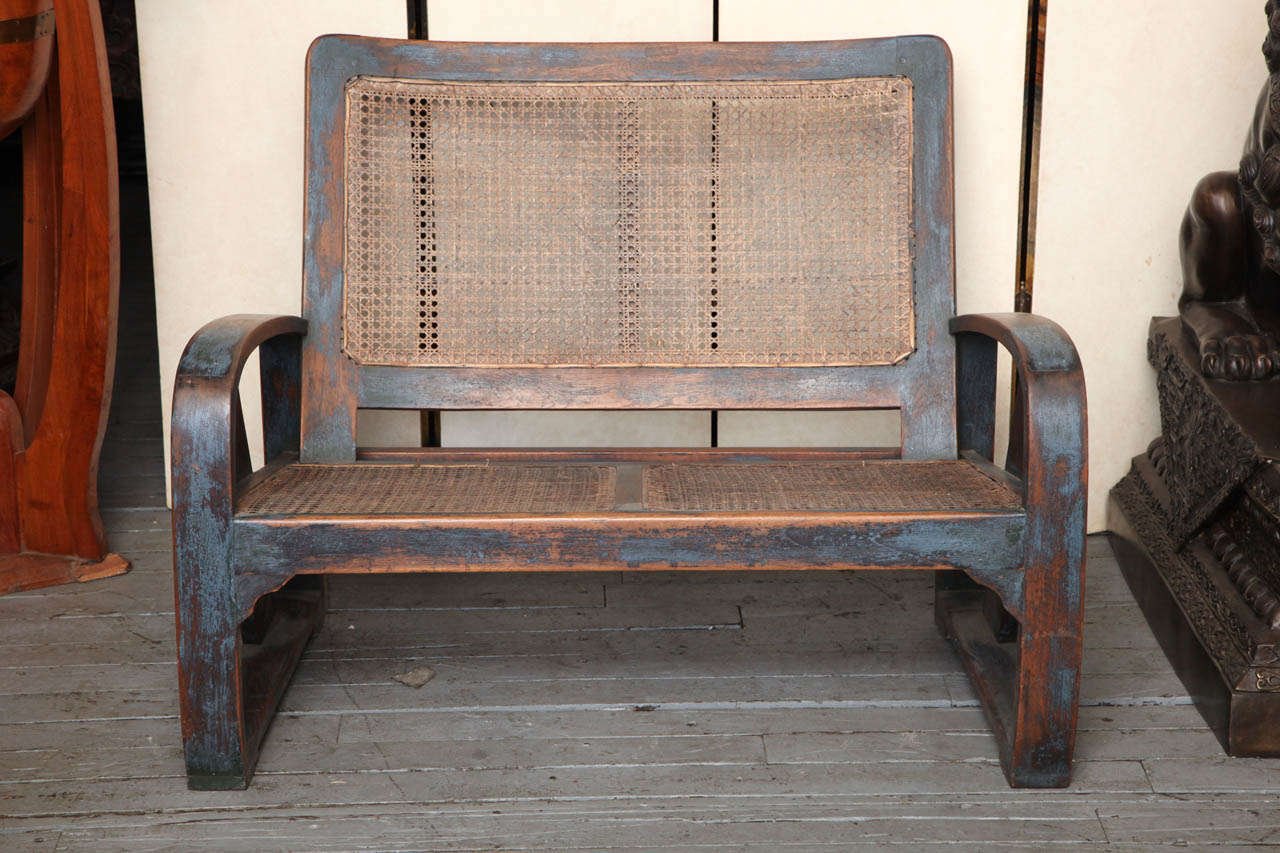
461	694
555	782
811	822
1219	773
1031	694
639	796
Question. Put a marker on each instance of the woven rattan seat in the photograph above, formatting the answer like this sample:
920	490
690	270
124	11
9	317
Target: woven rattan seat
568	489
432	490
875	486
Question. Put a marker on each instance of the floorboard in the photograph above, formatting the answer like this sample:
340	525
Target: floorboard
594	711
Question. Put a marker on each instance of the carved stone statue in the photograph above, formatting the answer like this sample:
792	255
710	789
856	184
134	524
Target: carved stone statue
1230	244
1196	521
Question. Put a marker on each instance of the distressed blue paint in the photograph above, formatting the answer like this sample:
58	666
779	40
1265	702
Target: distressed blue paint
629	387
226	564
976	394
280	363
922	386
986	544
1040	344
208	615
1037	740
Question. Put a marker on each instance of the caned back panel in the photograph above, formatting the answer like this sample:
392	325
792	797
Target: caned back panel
666	224
610	226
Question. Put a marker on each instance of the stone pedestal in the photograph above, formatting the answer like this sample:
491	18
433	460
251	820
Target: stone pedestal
1196	528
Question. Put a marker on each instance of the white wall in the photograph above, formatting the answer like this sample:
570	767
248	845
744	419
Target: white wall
569	20
223	87
1141	100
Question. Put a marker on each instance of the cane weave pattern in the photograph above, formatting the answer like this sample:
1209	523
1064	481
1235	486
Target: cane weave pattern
374	489
664	224
888	486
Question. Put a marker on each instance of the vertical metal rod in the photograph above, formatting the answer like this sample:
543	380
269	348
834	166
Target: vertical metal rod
715	36
417	14
1037	12
429	420
1032	102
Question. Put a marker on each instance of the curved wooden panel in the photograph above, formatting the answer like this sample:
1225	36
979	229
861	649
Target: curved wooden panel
26	47
57	481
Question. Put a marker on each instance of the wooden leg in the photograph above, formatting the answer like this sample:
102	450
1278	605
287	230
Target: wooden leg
231	678
212	702
272	643
1028	688
210	690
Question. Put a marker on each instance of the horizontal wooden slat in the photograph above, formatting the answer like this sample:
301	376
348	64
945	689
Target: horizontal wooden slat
635	387
269	545
553	455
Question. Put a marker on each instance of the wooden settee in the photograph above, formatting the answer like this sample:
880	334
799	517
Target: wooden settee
642	226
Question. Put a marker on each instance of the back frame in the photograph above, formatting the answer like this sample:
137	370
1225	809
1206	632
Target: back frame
923	386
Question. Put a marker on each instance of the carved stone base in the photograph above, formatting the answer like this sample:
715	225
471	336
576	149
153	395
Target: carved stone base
1197	601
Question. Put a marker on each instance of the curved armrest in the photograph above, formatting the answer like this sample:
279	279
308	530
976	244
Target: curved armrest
1037	344
1049	416
220	349
1048	444
209	449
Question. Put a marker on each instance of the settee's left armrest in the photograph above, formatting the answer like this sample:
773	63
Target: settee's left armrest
208	436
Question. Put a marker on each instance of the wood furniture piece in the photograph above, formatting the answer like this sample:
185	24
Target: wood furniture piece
642	226
52	427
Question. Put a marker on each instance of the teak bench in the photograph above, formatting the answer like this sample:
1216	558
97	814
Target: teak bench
628	226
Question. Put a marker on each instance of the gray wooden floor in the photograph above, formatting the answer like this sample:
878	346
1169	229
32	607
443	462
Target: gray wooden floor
596	711
582	712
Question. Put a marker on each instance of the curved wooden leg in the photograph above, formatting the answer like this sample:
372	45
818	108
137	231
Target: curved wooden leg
1029	687
58	480
240	633
41	199
231	675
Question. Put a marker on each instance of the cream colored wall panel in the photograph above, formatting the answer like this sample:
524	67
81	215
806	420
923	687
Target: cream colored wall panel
1141	100
572	20
223	85
878	428
988	44
575	429
388	428
569	20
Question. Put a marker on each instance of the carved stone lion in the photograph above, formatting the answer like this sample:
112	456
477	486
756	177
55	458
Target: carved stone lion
1230	246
